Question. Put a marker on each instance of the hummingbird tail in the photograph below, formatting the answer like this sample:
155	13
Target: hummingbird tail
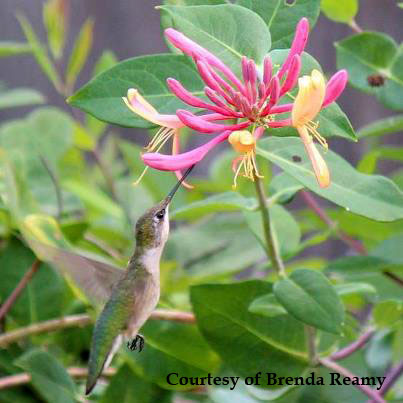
95	370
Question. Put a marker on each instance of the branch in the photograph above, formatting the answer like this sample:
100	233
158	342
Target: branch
18	290
272	249
353	243
376	397
23	378
83	320
390	378
350	349
355	27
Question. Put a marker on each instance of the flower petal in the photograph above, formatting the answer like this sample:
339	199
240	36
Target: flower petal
335	87
185	160
292	75
202	125
191	48
309	99
140	106
298	45
184	95
318	163
175	151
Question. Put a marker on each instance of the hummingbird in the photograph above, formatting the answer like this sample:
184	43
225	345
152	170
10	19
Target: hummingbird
130	295
137	292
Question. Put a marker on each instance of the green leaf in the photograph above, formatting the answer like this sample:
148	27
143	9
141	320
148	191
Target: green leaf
54	20
9	48
20	97
348	289
228	201
193	2
387	313
127	387
372	196
282	17
102	96
42	298
182	350
204	25
392	124
40	53
371	55
356	264
283	187
332	120
247	342
310	297
207	249
285	228
267	305
48	376
390	250
79	54
106	61
369	161
340	10
40	139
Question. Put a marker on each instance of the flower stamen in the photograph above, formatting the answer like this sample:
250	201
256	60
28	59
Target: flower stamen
244	143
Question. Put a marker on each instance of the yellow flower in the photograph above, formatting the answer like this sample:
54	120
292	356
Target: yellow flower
306	106
244	143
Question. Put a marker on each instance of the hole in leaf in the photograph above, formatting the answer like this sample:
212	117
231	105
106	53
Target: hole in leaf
296	158
289	2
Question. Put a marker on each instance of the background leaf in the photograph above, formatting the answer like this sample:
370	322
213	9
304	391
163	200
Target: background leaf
204	25
309	296
248	343
11	48
372	196
282	17
372	55
20	97
340	10
49	378
80	52
102	96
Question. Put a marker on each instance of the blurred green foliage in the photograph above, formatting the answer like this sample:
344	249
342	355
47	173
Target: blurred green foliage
66	181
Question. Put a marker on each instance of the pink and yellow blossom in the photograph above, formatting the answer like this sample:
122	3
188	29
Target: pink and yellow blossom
253	101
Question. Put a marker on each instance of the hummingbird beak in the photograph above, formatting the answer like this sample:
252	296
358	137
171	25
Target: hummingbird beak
176	187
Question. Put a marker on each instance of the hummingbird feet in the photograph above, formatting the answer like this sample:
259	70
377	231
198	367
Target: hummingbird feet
138	341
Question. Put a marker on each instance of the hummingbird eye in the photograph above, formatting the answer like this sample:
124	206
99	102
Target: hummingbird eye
160	214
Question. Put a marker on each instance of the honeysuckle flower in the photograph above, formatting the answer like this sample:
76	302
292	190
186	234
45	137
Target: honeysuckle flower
306	106
253	101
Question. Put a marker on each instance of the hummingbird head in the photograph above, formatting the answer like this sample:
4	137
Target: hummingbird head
152	228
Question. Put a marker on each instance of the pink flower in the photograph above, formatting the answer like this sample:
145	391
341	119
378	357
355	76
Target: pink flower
253	101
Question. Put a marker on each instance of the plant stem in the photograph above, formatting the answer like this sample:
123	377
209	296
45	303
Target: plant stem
355	27
272	249
376	397
353	347
391	377
83	320
56	184
9	302
352	243
24	378
311	344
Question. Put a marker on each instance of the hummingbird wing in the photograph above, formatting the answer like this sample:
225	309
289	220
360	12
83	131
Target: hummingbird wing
96	279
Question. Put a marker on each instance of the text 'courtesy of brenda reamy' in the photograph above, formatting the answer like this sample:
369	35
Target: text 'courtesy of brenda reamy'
271	379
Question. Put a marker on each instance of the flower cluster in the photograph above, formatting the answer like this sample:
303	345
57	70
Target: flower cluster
253	101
